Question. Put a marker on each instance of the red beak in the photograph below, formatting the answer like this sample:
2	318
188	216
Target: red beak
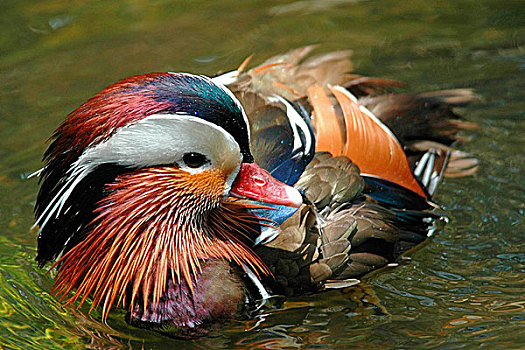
256	183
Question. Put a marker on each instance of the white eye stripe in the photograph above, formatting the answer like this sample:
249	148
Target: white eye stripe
158	139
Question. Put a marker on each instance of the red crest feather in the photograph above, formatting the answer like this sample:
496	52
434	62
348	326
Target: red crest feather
113	107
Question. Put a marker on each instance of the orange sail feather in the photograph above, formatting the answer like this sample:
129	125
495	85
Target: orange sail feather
328	132
368	142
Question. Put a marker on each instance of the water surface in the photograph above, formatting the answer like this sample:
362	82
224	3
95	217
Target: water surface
461	289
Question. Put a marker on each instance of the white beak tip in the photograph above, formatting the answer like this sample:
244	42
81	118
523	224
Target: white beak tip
296	200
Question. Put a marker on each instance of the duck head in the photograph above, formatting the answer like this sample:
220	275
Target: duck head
137	190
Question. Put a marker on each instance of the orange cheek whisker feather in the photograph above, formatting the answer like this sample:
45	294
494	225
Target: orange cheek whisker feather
136	244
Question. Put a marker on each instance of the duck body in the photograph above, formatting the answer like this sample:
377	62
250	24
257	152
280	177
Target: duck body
177	196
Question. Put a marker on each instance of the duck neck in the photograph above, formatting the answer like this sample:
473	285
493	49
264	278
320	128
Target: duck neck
217	292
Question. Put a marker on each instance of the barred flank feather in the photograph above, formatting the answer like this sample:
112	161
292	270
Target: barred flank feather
154	222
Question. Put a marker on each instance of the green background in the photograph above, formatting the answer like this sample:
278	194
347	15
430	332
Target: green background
462	289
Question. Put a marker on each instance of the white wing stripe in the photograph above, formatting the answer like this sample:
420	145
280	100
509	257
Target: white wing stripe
295	121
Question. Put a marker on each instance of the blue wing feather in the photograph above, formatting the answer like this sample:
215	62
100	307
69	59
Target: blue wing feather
284	151
394	195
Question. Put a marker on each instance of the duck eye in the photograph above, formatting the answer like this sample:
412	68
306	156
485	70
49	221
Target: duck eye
194	160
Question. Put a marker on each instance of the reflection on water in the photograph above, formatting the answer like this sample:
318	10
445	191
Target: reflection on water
463	288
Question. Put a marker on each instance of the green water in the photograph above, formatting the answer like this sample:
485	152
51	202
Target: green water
464	288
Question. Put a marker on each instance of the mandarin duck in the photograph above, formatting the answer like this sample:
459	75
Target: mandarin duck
187	199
